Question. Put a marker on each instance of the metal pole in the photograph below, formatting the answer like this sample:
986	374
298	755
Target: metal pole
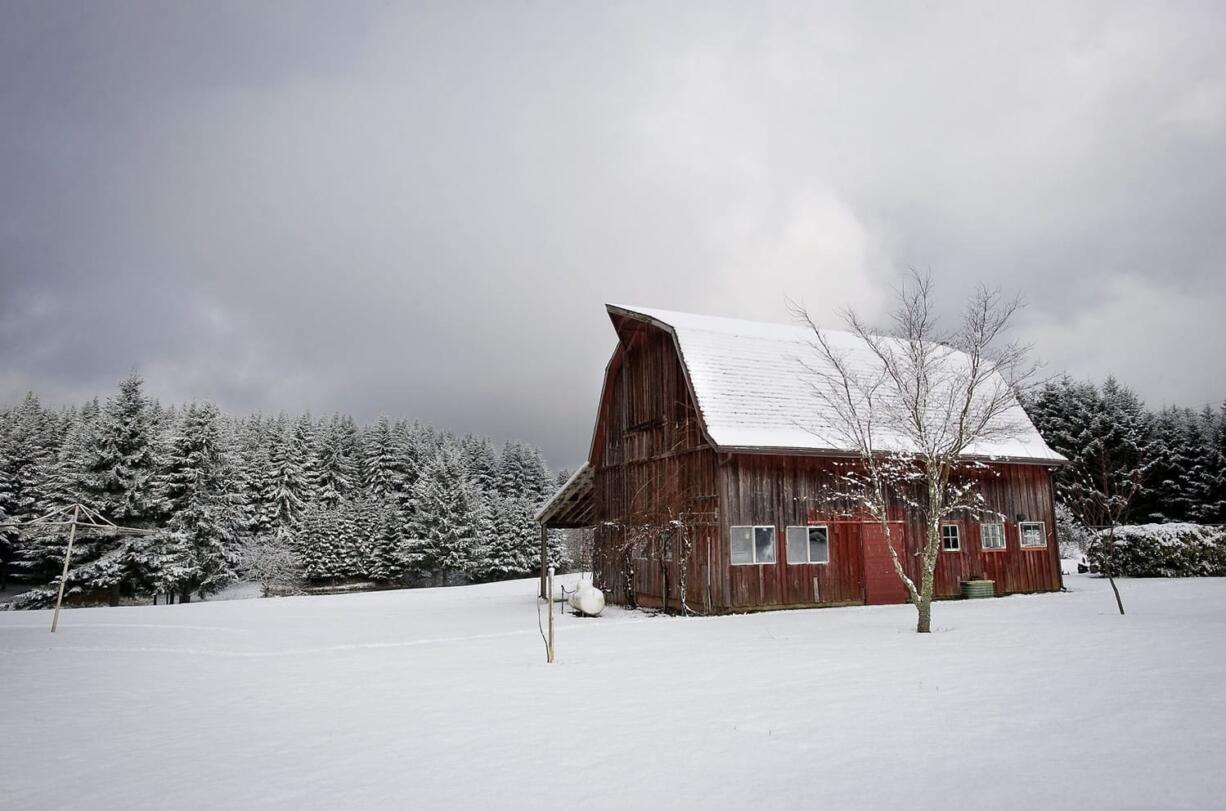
550	614
72	533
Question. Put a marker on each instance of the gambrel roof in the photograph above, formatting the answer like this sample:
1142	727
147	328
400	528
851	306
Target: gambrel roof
754	392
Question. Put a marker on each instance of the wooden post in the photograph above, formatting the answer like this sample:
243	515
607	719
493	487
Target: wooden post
72	533
549	650
544	560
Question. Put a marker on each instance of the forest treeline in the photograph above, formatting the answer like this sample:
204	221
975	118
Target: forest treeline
1178	454
287	501
293	501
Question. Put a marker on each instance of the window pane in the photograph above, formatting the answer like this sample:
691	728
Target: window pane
993	536
950	540
819	546
764	544
1032	534
797	538
742	545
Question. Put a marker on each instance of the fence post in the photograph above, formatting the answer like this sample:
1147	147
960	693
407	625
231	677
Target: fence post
550	658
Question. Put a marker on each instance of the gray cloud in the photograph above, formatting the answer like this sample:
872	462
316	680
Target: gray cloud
420	209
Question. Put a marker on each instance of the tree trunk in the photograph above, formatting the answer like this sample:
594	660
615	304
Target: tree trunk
1109	568
113	597
924	608
1119	603
185	597
923	605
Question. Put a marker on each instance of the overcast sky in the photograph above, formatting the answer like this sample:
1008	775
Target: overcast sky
420	209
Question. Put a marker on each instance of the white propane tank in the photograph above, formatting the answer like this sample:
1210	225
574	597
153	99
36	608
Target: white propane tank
587	599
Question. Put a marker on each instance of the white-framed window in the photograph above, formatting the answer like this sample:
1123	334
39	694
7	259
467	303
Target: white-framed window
992	536
752	545
1032	534
951	538
808	544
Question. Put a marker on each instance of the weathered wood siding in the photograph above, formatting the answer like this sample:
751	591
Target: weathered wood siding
654	483
1013	490
782	491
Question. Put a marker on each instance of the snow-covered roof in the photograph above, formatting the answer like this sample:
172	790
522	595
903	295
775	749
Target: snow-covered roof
571	505
754	392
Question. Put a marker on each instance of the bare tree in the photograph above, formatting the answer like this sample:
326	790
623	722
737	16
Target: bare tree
1109	471
915	404
274	564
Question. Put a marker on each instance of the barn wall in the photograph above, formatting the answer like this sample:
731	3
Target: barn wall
1013	490
654	480
784	491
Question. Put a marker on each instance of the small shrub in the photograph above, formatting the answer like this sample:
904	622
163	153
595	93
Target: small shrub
1072	536
1164	550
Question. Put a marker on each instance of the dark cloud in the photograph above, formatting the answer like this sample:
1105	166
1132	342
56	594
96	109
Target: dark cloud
420	209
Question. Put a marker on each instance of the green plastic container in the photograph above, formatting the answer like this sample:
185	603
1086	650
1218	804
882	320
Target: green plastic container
975	589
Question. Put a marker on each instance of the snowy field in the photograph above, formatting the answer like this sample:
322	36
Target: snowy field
441	699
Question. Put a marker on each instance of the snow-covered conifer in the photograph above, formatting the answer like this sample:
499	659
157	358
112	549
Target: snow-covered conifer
289	487
195	489
446	515
121	460
336	471
513	547
382	462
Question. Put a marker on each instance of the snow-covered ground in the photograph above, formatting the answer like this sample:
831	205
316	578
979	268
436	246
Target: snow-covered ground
442	699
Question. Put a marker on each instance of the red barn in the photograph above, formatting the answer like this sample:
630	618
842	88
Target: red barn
706	488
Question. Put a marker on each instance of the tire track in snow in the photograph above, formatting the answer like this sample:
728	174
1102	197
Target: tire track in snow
169	626
267	654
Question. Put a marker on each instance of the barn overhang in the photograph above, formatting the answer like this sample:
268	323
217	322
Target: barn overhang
571	507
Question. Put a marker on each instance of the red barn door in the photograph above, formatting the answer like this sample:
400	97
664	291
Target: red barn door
881	583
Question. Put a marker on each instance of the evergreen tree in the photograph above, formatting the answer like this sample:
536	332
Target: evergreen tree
355	527
482	462
335	463
290	485
1218	510
446	517
255	477
382	462
27	453
195	491
385	546
318	543
1166	477
118	479
1063	411
416	445
121	461
41	555
1197	496
513	548
67	481
305	452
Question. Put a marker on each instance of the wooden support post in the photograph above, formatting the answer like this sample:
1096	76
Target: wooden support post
72	534
544	560
550	657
